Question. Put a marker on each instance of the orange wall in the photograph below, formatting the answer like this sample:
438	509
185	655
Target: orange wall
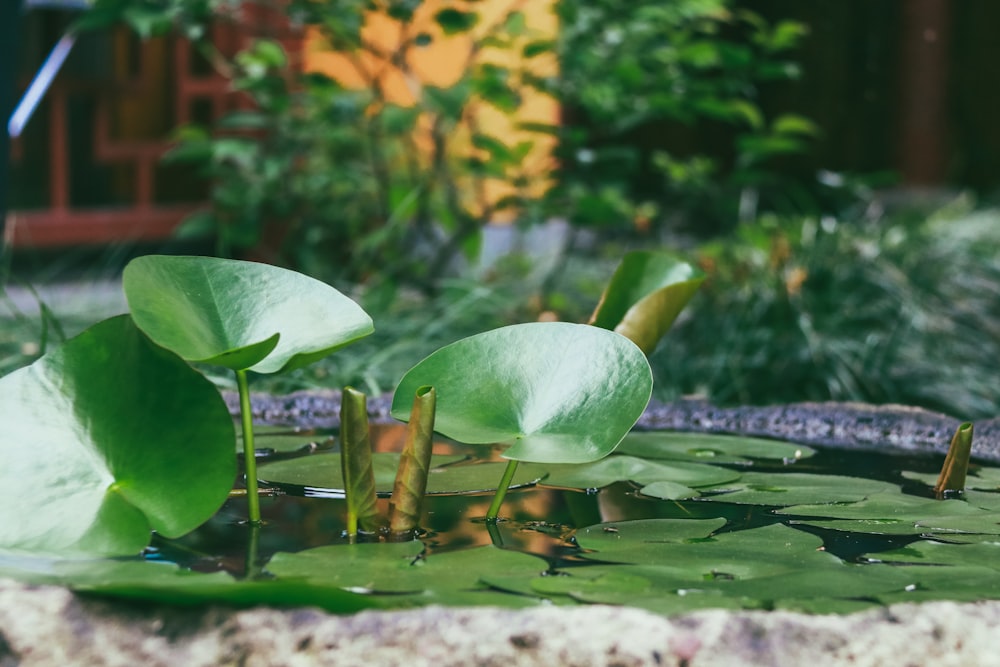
442	63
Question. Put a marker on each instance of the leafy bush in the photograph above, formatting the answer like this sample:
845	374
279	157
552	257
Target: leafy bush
664	114
351	184
904	311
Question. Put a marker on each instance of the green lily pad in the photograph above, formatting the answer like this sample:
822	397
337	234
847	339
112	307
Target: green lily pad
556	392
826	605
708	448
241	315
401	568
926	552
961	583
789	488
580	582
757	552
668	491
900	514
165	582
981	479
616	535
617	468
108	438
645	295
660	589
322	472
828	584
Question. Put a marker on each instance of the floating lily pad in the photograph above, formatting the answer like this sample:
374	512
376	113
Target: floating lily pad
707	448
241	315
555	392
961	583
288	443
668	491
987	500
758	552
164	582
926	552
580	582
401	568
322	472
661	590
631	469
789	488
900	514
981	479
645	295
824	587
826	605
99	439
834	581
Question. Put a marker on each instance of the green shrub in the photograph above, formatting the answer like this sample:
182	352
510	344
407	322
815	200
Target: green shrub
904	311
663	115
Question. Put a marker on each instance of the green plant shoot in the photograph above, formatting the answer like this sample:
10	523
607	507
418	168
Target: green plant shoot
414	465
356	464
243	316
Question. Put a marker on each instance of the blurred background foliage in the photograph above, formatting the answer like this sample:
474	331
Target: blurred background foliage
815	291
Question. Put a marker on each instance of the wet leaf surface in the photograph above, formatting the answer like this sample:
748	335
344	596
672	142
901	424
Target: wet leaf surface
555	392
439	578
791	488
165	582
631	469
241	315
646	293
707	448
900	514
323	472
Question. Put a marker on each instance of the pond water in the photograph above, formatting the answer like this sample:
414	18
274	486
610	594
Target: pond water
674	522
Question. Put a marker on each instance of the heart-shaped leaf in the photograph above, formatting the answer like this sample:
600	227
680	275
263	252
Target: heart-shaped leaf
556	392
241	315
99	446
646	294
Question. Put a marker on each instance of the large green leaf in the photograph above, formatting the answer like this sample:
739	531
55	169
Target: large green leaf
107	438
556	392
646	294
241	315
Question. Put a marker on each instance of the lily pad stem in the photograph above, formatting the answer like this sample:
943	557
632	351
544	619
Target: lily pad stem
508	475
249	460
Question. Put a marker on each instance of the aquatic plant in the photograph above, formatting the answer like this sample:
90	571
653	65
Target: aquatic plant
244	316
115	435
